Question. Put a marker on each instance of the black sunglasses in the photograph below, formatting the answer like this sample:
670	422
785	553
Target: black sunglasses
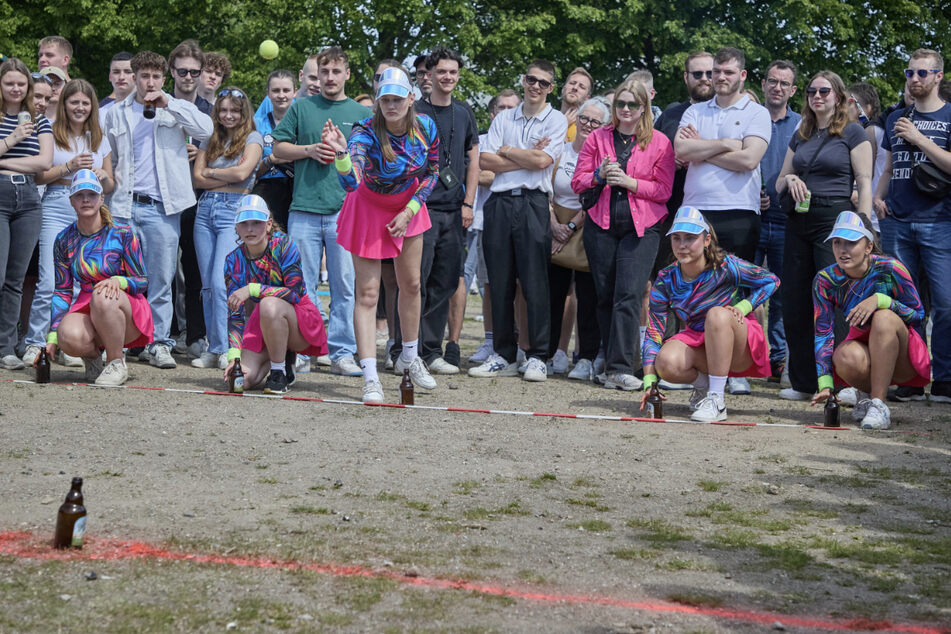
231	92
531	80
620	104
39	76
700	74
823	92
922	72
184	72
589	122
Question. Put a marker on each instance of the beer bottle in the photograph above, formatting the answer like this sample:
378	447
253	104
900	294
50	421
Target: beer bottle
655	406
71	519
148	110
236	380
406	389
831	411
43	366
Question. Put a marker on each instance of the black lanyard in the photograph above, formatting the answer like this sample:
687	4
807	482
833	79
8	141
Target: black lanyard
452	129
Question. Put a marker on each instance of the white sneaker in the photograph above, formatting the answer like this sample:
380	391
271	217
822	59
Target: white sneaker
388	363
712	408
222	361
417	371
144	355
302	364
180	347
30	355
483	353
784	377
667	385
789	394
495	365
115	373
582	371
738	385
521	360
206	360
696	397
559	363
847	396
93	368
195	348
387	350
161	357
70	361
346	366
861	408
535	370
11	362
441	366
600	378
598	366
878	415
382	337
322	360
372	392
622	381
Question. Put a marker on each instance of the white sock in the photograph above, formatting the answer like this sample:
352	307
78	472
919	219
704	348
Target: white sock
278	365
702	382
410	350
717	383
643	332
368	366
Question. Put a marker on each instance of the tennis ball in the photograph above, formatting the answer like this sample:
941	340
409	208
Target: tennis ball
268	49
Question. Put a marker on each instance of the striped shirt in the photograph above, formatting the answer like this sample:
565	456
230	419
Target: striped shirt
29	146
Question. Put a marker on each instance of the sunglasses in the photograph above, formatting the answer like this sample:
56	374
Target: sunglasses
620	104
700	74
531	80
39	76
231	92
185	72
922	72
823	92
589	122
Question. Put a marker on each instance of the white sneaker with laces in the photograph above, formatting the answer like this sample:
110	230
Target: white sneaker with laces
206	360
696	397
195	348
790	394
559	362
598	366
30	355
738	385
161	357
322	360
878	415
848	396
441	366
581	371
535	370
667	385
622	381
372	392
711	409
861	408
114	374
93	368
223	361
70	361
346	366
417	371
495	365
11	362
483	353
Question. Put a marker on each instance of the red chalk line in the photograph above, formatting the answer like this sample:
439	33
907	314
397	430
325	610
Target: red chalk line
29	546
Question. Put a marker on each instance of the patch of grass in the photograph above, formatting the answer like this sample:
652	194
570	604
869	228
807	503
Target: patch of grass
465	487
593	526
310	510
361	594
809	508
588	503
678	564
878	553
786	557
423	507
542	480
267	480
849	482
259	610
711	486
582	482
659	531
108	474
778	458
798	470
531	577
634	554
261	466
753	519
386	496
317	487
698	599
512	508
734	538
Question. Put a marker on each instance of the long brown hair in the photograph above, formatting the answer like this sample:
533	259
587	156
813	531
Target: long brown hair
61	129
411	123
13	64
840	116
713	253
218	143
644	128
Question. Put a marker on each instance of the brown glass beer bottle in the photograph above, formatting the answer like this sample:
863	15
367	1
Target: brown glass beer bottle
71	519
831	411
406	389
655	405
236	380
43	366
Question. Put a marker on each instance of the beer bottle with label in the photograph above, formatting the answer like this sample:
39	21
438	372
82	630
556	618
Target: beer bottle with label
43	366
71	519
406	389
236	380
831	411
655	405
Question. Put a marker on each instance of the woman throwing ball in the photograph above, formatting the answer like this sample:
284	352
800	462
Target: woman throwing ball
882	308
111	310
389	171
270	311
721	337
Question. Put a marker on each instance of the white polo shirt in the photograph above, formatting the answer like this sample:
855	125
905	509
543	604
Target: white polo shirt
511	127
711	187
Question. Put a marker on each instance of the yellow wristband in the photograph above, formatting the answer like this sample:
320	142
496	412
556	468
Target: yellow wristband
414	206
744	306
343	165
52	338
825	381
884	301
649	381
123	282
254	289
233	353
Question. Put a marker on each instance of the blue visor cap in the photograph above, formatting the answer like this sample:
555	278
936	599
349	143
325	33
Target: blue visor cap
849	226
252	207
689	220
394	81
85	179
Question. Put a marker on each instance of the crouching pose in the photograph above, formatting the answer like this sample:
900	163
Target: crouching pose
721	337
270	312
111	311
882	307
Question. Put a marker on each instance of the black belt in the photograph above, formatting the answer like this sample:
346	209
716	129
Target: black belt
829	201
142	199
519	192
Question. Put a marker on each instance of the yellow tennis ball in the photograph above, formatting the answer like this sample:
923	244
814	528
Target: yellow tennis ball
268	49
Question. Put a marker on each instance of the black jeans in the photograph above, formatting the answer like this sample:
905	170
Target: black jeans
194	314
620	266
805	253
589	333
737	230
277	193
517	245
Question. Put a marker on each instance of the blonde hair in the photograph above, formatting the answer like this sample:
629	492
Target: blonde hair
644	129
61	129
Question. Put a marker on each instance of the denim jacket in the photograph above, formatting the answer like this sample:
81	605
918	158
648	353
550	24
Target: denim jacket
172	124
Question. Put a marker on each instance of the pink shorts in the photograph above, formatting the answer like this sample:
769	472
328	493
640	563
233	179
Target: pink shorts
361	225
309	323
917	354
141	316
755	339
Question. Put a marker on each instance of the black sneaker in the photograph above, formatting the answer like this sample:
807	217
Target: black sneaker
452	353
276	383
775	371
905	393
941	391
290	362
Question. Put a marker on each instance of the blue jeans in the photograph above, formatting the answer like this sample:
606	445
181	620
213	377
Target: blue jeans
215	238
57	215
924	246
158	234
314	235
770	249
20	220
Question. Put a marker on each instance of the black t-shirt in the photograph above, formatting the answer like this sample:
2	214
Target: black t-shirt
669	123
831	172
456	125
620	203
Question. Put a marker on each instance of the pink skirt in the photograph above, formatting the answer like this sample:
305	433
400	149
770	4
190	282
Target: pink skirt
755	339
309	323
141	316
917	354
361	225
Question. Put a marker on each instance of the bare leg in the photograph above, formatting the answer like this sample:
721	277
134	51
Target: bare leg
112	321
366	290
457	311
889	340
279	329
407	265
725	343
853	364
256	366
77	336
679	363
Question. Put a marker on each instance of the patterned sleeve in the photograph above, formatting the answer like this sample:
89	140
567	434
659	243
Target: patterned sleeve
761	282
905	300
657	320
359	144
235	271
431	139
823	303
133	264
63	281
287	258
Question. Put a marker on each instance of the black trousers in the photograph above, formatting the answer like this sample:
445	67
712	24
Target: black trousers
277	193
589	333
737	230
194	314
621	264
517	245
805	254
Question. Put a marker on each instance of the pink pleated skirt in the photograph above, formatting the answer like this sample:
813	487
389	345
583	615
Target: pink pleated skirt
361	225
141	316
755	339
917	354
309	323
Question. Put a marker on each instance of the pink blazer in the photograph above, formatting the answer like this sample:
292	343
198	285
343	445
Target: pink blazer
653	168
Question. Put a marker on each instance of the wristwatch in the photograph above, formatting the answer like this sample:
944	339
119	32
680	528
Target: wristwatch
340	154
572	226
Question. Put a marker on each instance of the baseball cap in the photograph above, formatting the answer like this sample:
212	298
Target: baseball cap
252	207
689	220
85	179
55	71
393	81
849	226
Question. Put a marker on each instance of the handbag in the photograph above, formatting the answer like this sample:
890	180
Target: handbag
786	202
572	255
926	177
